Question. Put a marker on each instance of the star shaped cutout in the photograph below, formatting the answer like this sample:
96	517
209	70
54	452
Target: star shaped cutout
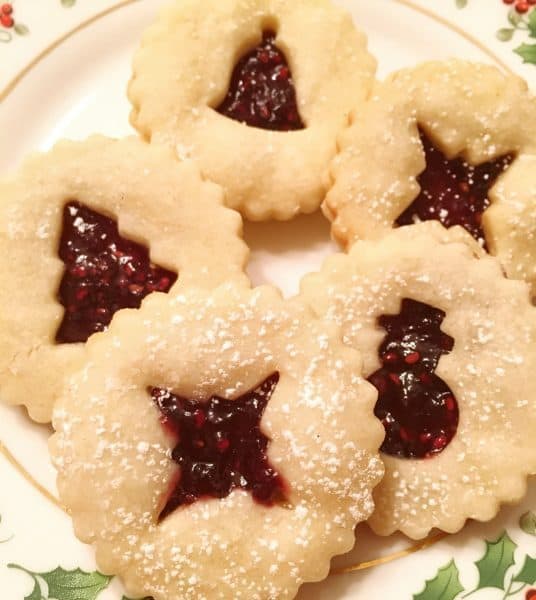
219	446
454	192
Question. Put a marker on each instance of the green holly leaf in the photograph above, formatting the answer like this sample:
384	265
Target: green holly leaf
528	572
498	558
36	592
527	522
66	585
461	3
74	585
505	34
514	17
527	53
21	29
532	23
444	586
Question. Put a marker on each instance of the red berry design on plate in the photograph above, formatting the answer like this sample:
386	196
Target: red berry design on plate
7	20
261	92
417	408
521	6
453	191
104	272
531	594
219	446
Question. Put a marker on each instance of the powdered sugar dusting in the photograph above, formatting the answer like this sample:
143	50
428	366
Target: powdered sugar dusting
109	438
468	110
493	325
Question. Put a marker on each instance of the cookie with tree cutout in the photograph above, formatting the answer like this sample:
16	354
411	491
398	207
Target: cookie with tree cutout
232	441
449	343
256	94
449	141
91	228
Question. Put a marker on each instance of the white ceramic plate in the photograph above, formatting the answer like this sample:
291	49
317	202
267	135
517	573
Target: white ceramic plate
78	88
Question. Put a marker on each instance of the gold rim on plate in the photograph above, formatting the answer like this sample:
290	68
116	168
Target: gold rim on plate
4	450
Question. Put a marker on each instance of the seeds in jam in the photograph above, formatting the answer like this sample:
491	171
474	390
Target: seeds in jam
104	272
219	446
417	408
453	192
261	92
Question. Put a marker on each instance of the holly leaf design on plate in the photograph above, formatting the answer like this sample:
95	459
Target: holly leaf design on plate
514	17
444	586
531	23
74	585
527	53
528	572
35	593
66	585
527	522
21	29
505	34
498	558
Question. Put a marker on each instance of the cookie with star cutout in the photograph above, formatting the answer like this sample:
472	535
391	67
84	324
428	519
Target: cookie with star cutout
448	141
232	441
256	94
91	228
450	345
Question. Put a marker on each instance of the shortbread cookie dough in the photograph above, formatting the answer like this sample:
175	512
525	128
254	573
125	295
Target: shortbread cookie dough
442	141
66	268
232	441
255	91
450	344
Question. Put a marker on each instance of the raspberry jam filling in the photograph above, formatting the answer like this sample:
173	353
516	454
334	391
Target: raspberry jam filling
453	192
417	408
261	92
219	446
103	273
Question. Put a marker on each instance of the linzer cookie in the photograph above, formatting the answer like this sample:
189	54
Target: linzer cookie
256	94
87	230
449	141
450	345
232	441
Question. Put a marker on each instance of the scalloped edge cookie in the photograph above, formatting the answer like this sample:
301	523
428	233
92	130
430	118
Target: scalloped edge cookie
489	370
324	441
157	201
182	71
467	109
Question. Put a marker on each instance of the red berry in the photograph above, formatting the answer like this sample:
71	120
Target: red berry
531	594
531	2
522	6
6	20
508	1
7	9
